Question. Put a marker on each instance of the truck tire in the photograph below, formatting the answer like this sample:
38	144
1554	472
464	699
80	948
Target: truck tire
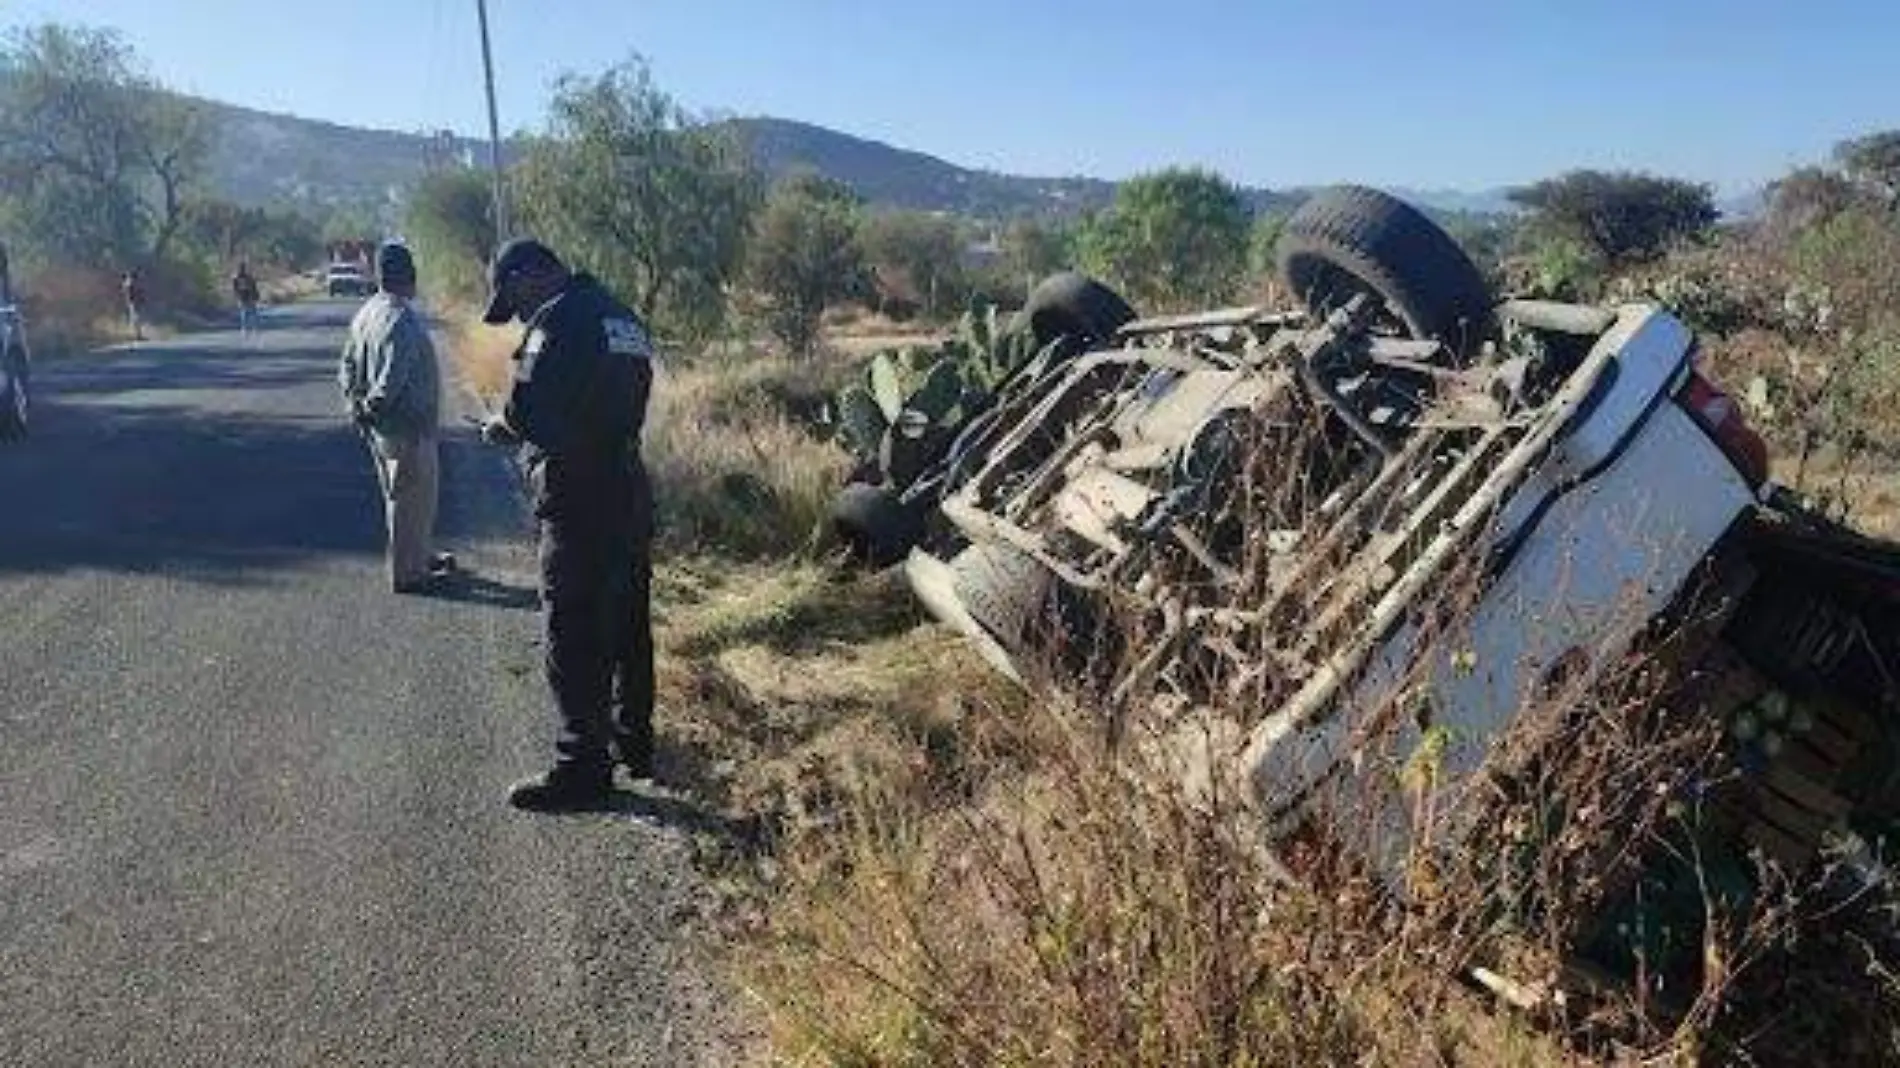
873	525
1349	239
1072	305
1007	591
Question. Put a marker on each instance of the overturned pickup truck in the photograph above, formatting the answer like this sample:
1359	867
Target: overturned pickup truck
1567	473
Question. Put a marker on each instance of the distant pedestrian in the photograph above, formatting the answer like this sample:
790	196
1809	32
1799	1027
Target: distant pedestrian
582	375
6	278
133	288
391	383
244	289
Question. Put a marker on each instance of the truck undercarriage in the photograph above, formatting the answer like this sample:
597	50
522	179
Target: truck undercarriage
1297	517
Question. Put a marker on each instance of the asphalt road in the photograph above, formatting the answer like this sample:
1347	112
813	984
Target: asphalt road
250	802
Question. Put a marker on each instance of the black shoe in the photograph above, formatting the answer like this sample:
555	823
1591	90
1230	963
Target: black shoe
639	766
443	564
561	791
637	759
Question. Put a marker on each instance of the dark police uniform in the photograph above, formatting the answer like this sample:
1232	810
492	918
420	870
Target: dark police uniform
582	375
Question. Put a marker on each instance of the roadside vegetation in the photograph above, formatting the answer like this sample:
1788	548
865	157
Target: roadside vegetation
910	861
103	171
915	863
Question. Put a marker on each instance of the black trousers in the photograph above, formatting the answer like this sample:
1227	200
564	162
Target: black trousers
631	652
597	643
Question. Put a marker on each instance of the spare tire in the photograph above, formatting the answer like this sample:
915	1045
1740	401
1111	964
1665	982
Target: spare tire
1349	239
1072	305
874	525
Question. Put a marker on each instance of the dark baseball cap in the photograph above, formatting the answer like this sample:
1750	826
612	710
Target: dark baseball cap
394	265
523	255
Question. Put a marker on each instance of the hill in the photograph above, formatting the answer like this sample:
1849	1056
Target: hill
263	158
260	158
900	178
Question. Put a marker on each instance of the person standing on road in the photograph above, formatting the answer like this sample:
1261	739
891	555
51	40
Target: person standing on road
244	288
582	374
133	289
391	384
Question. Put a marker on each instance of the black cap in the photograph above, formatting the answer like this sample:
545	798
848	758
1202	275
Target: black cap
523	255
394	266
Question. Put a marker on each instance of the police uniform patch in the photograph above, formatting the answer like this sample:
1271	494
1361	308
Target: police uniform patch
626	338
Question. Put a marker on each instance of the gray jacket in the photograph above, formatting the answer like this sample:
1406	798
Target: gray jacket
389	368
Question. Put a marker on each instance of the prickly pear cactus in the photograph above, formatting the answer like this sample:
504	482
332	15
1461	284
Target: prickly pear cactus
887	385
940	392
928	391
861	420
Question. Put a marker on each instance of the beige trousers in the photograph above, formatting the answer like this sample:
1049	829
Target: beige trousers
410	472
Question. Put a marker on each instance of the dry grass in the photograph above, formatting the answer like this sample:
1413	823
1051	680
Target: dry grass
922	866
71	310
287	287
1037	889
479	353
740	459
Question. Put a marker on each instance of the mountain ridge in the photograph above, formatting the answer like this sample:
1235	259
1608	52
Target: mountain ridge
261	157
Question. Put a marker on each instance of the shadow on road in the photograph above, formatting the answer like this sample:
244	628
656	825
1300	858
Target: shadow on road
468	588
661	806
181	367
215	464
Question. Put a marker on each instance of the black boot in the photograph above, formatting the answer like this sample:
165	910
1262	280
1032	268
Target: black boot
636	755
562	790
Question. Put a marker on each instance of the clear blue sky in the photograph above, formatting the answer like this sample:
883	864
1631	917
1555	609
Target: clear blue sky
1429	93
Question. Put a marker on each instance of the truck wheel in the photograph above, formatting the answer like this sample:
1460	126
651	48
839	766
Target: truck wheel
1005	590
1072	305
874	525
1349	239
1031	615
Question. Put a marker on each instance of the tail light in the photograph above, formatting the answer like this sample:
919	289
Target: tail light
1722	418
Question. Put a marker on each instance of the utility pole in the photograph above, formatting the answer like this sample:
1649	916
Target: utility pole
494	127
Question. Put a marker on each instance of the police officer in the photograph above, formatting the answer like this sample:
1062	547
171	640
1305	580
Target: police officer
578	402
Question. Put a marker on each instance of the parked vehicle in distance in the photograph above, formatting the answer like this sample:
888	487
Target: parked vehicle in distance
348	280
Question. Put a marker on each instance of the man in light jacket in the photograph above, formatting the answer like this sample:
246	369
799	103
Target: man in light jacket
392	386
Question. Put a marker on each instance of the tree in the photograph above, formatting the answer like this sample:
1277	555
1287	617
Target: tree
805	255
290	239
1623	217
1485	237
1032	251
1170	239
1263	243
450	224
174	147
1873	161
349	224
226	233
627	184
222	229
95	155
925	250
1808	197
